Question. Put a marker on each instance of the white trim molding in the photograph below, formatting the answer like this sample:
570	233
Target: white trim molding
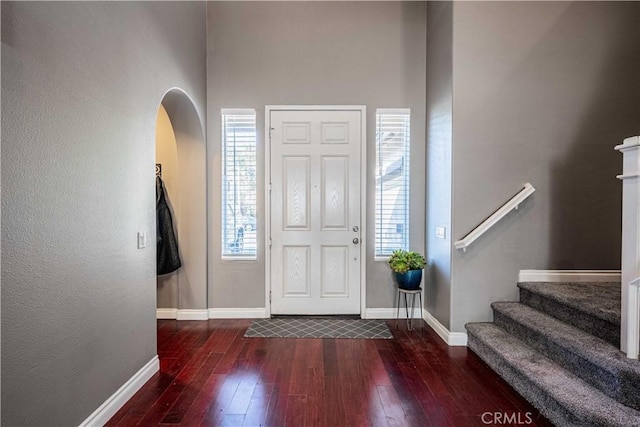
630	175
238	313
633	315
212	313
631	167
166	313
630	259
190	314
268	109
453	339
627	143
389	313
117	400
569	276
182	314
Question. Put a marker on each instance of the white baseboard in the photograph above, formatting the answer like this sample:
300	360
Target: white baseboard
569	276
166	313
389	313
451	338
238	313
191	314
182	314
117	400
211	313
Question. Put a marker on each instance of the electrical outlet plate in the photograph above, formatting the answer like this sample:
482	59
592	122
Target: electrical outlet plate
441	232
142	240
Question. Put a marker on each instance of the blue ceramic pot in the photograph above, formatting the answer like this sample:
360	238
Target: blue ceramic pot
410	279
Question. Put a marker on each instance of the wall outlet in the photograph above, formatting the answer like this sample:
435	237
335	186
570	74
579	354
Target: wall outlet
441	232
142	240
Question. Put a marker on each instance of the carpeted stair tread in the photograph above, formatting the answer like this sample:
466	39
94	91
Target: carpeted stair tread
562	397
599	299
592	307
599	363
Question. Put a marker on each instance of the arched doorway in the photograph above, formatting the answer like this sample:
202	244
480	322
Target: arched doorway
181	150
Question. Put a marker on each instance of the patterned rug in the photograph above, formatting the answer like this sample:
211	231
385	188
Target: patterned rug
309	327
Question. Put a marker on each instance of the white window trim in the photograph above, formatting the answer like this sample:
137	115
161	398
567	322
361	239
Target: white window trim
394	111
247	112
237	111
381	111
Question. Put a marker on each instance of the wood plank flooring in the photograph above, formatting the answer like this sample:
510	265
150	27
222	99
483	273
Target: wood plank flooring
210	375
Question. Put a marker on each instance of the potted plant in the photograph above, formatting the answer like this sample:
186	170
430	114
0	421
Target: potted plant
407	266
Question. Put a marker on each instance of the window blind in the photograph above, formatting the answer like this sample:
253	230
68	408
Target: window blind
239	184
392	181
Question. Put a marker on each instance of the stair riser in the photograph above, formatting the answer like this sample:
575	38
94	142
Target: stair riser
598	327
623	388
535	395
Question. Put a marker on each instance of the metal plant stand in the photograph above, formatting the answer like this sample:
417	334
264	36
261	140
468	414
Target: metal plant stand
413	293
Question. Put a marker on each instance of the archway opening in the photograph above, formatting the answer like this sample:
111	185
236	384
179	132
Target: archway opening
181	154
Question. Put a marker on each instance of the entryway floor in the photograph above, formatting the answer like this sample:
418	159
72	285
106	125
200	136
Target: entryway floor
210	375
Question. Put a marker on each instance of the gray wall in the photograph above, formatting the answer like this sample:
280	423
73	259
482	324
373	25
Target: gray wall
81	85
438	161
542	93
270	53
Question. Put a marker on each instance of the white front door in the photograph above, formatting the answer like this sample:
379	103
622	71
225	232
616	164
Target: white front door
315	211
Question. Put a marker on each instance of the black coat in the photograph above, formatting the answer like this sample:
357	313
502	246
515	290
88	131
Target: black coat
168	255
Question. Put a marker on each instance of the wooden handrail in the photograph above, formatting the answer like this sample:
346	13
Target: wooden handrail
512	204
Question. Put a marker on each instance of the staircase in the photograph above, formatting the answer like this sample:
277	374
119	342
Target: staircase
559	348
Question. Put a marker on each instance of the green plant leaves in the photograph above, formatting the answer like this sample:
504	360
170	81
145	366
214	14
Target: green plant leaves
402	261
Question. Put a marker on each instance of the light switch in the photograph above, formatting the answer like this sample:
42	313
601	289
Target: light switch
441	232
142	240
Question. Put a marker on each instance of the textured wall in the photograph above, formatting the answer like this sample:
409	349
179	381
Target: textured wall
81	85
439	174
542	92
275	53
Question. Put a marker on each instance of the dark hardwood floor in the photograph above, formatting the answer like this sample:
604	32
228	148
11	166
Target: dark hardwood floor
211	376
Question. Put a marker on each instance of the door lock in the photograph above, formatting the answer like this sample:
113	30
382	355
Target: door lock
356	240
356	228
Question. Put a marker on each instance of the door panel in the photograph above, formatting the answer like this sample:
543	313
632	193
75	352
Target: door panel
335	133
335	266
296	133
296	182
297	280
315	208
335	187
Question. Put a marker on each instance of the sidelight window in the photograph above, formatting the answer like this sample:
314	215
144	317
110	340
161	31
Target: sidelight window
239	223
392	181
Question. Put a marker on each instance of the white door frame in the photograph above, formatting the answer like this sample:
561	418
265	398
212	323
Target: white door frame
363	193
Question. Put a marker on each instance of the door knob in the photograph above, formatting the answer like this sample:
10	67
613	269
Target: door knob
356	240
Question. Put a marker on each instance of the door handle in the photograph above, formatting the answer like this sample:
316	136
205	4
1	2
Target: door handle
356	240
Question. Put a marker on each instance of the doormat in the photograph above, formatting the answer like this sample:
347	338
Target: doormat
297	327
